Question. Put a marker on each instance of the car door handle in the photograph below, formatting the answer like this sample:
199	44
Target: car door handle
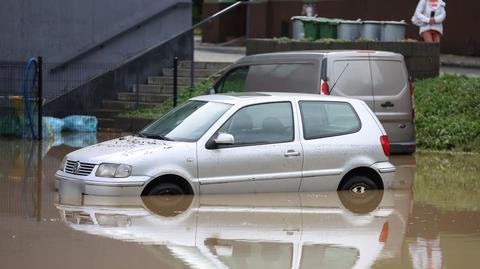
387	104
291	153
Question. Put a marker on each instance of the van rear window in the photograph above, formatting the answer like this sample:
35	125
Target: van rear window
289	77
389	77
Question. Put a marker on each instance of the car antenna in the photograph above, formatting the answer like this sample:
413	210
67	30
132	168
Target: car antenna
339	77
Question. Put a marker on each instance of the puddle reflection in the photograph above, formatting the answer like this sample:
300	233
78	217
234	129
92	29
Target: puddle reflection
282	230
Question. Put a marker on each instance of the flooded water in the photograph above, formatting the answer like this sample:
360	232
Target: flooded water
431	220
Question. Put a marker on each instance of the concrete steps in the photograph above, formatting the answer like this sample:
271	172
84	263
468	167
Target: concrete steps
204	65
168	80
143	97
126	105
157	90
184	72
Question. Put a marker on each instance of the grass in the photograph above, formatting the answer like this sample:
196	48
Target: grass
448	113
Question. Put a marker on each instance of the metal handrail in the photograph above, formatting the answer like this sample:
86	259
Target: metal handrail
101	44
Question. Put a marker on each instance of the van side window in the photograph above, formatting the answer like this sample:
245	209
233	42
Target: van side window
355	80
234	81
388	77
324	119
288	77
261	124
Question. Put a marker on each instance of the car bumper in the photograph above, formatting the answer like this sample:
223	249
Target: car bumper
386	170
403	148
71	184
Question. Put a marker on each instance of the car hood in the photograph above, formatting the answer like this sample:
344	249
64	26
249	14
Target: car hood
119	149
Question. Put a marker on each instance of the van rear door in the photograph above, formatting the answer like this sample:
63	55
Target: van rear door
392	100
350	77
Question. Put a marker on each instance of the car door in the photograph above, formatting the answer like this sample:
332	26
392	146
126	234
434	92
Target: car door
266	156
392	100
351	78
327	137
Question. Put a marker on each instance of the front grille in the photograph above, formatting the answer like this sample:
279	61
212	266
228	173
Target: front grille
78	168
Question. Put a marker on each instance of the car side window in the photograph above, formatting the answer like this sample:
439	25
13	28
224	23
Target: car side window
325	119
261	124
234	81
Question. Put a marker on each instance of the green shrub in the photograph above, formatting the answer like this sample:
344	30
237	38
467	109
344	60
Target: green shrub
448	113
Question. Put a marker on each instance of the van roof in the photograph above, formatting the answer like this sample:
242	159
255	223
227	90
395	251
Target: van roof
319	54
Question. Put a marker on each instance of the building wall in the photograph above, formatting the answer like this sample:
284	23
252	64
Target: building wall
58	29
269	17
106	35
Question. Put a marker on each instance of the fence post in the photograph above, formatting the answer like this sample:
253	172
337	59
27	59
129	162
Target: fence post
192	63
137	90
40	97
175	80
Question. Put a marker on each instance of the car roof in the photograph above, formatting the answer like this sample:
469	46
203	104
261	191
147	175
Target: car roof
238	97
308	54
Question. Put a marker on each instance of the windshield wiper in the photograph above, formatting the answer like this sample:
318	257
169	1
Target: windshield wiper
154	136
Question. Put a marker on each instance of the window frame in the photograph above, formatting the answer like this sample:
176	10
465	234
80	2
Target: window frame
327	136
216	133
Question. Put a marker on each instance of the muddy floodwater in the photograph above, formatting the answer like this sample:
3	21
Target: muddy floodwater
430	220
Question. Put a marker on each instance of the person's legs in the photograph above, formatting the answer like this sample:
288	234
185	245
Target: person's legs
427	36
436	36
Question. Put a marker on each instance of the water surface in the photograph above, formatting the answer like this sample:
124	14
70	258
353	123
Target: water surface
431	220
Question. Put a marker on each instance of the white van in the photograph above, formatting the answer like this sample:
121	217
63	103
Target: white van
376	77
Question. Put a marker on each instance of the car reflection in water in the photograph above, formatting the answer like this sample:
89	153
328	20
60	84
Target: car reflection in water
282	230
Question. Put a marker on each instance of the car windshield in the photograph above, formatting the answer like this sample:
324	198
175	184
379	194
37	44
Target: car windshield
187	122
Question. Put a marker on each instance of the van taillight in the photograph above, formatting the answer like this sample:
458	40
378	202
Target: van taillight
385	145
384	233
324	89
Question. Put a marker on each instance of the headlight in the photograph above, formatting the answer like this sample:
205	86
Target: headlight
113	170
62	164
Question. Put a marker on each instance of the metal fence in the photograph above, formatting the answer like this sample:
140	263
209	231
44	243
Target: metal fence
20	98
102	90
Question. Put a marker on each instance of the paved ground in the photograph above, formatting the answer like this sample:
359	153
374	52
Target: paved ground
475	72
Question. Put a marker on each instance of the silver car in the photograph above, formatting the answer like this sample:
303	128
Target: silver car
246	142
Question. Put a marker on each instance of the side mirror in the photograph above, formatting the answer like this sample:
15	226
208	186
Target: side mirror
224	139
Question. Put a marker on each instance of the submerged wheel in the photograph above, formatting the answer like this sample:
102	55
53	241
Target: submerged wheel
167	199
166	188
360	194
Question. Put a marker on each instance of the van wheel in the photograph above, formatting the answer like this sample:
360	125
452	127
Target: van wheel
166	188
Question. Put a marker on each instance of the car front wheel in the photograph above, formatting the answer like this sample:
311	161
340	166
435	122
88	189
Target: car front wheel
166	188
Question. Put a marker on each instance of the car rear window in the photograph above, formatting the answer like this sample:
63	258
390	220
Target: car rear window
288	77
325	119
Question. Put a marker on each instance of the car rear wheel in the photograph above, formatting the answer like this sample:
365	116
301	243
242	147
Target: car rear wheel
360	194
